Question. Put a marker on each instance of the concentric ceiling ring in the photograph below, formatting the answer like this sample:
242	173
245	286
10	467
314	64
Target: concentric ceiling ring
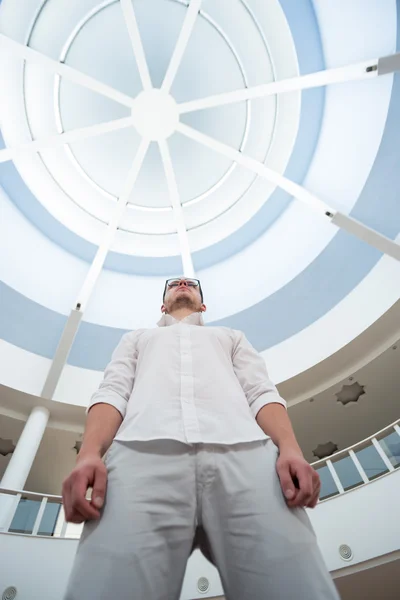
223	204
63	58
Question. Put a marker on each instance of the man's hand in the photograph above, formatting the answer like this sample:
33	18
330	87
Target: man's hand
90	471
305	488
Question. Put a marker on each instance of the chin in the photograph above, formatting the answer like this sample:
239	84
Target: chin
183	301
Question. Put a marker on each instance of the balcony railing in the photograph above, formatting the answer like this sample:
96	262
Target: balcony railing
360	464
34	514
31	513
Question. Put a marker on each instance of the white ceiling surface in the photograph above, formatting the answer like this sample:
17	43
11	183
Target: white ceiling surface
340	185
352	319
60	273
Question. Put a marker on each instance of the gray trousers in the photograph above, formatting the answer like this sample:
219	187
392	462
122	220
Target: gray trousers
160	492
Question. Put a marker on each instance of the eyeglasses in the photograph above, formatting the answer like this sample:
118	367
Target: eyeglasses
173	283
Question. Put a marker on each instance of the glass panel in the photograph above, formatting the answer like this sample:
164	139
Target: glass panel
49	519
328	486
371	462
347	473
25	516
391	446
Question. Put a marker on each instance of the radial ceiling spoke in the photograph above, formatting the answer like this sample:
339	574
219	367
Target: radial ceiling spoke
368	235
257	167
65	71
183	39
75	318
68	137
98	262
321	78
188	269
136	41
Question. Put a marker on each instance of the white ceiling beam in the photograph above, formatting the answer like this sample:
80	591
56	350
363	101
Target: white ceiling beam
98	262
368	235
61	354
389	64
257	167
190	18
68	137
187	262
136	41
75	318
65	71
364	70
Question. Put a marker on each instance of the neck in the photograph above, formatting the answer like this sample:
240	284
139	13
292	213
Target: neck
181	313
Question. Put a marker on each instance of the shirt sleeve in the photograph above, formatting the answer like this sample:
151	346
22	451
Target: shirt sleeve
117	384
251	371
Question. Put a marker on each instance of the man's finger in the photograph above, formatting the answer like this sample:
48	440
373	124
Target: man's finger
66	499
285	478
79	503
77	518
99	487
314	500
305	493
317	490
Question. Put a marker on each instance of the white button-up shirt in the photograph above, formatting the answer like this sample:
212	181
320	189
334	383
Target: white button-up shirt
186	382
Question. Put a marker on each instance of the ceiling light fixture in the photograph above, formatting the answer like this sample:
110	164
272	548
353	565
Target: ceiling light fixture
6	446
350	393
324	450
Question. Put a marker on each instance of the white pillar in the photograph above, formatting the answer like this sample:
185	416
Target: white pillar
22	459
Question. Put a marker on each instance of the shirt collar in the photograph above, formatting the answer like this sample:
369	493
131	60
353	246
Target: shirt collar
195	318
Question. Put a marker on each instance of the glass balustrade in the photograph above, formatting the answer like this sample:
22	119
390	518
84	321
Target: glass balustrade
391	446
371	462
26	514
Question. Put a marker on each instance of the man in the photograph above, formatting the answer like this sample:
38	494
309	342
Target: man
201	442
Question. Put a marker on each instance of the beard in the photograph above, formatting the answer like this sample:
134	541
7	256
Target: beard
184	301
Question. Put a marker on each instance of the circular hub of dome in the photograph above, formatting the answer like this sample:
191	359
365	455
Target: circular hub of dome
155	114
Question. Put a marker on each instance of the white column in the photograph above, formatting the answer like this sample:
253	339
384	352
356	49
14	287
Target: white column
22	459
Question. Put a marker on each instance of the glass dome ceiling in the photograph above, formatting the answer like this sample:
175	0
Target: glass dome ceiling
250	143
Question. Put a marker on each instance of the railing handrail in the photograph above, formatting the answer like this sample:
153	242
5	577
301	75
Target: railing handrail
321	461
11	492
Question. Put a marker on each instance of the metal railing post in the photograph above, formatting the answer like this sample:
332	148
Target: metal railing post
335	476
11	514
382	454
358	466
39	517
